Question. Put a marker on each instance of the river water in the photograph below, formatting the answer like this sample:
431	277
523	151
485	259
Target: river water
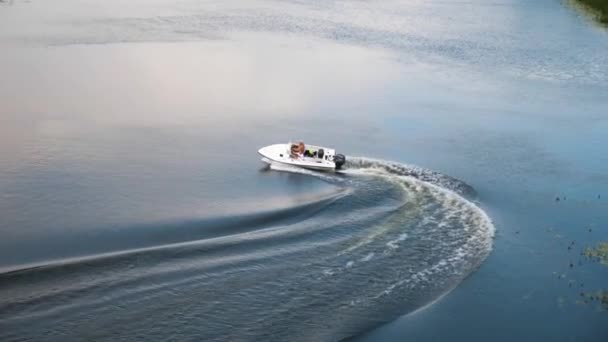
134	206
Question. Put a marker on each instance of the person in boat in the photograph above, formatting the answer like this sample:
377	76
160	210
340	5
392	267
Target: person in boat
310	153
297	150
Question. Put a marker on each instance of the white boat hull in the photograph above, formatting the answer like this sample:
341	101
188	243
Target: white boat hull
280	153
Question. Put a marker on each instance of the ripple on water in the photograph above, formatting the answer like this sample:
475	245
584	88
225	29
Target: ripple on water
397	240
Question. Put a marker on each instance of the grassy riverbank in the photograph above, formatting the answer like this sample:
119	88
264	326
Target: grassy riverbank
598	6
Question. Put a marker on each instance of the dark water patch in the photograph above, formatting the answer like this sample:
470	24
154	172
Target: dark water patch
150	235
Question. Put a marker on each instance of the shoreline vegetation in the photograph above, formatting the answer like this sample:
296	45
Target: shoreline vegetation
598	8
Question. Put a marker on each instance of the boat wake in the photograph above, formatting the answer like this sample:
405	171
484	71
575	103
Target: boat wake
393	240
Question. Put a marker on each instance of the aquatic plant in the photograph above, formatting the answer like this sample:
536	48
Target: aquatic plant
598	7
603	295
599	297
599	252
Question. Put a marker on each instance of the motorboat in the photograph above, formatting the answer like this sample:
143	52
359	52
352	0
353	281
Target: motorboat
306	156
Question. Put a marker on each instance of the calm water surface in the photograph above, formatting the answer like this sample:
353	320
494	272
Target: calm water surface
133	205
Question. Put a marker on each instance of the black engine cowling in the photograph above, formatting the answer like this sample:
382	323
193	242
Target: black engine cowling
339	160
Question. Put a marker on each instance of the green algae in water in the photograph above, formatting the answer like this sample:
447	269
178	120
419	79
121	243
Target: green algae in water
595	9
600	252
600	297
600	7
604	298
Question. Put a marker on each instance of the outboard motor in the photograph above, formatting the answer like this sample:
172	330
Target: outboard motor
339	160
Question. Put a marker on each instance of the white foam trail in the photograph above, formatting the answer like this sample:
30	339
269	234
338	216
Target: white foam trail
419	180
440	198
394	244
328	272
449	198
368	257
377	166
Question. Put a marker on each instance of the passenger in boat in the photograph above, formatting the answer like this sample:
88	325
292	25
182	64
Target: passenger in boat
294	151
297	150
309	153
